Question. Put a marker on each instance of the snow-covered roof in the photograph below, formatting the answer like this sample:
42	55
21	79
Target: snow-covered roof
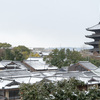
49	73
38	65
45	53
40	59
1	65
14	73
56	78
52	67
96	71
23	76
7	63
88	65
86	80
3	83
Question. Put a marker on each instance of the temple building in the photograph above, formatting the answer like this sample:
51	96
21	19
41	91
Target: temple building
95	36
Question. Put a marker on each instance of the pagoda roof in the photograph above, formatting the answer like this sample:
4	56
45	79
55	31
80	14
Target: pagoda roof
93	36
95	49
92	43
94	28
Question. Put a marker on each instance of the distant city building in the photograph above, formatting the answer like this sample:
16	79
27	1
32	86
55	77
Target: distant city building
95	36
42	51
38	49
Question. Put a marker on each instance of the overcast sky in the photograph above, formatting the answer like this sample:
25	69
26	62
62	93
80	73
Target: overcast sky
47	23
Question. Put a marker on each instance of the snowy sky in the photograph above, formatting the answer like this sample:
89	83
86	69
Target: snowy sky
47	23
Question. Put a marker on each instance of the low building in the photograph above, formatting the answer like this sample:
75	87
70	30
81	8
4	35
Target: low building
37	64
11	79
8	64
82	66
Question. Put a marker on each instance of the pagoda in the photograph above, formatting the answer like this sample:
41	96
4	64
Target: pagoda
96	36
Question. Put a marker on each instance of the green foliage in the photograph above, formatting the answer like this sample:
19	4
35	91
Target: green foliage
21	53
5	45
21	49
94	61
2	54
17	53
34	54
94	94
73	56
8	54
63	57
38	91
61	90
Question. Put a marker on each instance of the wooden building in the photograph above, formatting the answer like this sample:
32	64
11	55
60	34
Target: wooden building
82	66
95	36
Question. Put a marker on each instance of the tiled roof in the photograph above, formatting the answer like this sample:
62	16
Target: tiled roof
38	65
88	65
13	73
8	63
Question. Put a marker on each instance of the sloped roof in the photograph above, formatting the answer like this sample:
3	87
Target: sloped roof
87	65
40	59
97	71
92	80
89	74
13	83
38	65
10	63
89	80
75	74
94	28
5	62
13	73
1	66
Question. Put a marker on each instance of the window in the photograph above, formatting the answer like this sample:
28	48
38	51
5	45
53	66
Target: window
14	94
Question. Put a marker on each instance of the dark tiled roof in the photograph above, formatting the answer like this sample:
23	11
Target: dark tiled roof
92	80
13	83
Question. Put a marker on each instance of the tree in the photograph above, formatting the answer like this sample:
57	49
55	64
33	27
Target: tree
21	53
38	91
34	54
56	57
61	90
5	45
8	54
73	56
63	57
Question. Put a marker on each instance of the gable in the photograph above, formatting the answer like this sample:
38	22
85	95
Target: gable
12	65
77	67
13	83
